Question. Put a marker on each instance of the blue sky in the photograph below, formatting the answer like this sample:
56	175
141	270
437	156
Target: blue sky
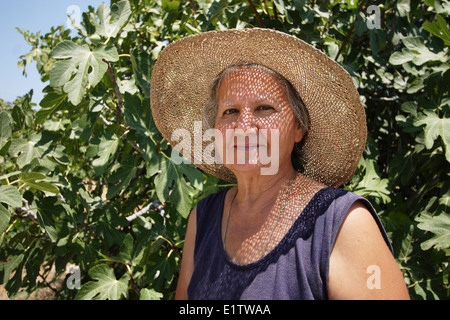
34	15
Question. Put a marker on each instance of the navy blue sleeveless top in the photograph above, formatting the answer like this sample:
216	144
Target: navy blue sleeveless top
297	268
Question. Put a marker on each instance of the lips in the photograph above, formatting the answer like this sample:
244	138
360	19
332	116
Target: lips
246	147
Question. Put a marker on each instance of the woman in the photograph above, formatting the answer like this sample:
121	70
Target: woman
289	233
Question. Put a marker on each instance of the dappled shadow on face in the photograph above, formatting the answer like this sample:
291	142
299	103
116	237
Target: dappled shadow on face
253	104
255	118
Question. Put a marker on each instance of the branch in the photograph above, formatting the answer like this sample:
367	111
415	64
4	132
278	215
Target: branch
192	5
116	89
27	213
258	17
275	12
119	106
347	38
135	146
274	8
156	205
92	183
106	122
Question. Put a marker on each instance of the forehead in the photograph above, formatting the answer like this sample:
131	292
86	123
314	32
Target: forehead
251	81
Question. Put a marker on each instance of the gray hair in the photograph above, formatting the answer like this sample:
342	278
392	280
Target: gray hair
298	107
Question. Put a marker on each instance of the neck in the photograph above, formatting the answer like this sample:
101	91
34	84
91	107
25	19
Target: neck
251	187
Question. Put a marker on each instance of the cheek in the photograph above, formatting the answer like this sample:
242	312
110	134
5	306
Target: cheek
280	120
224	129
285	126
225	139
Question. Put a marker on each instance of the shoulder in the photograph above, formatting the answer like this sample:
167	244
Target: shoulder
358	226
360	248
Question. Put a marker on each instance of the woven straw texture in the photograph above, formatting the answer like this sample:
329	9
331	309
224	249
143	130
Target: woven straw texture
181	83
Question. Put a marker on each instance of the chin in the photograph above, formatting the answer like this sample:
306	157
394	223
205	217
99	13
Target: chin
252	169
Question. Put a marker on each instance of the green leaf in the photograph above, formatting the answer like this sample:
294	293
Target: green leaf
142	68
162	270
441	6
171	183
435	127
11	196
405	244
422	53
444	199
372	184
26	151
78	67
49	215
439	226
439	28
5	217
34	148
49	104
415	52
126	249
109	226
37	181
136	116
5	128
140	120
398	58
10	266
111	19
122	177
170	4
108	145
377	40
403	7
105	286
150	294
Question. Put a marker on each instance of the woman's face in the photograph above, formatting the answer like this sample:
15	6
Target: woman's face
256	121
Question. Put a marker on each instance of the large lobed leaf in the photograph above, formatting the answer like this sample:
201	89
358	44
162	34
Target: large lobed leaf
5	128
78	67
438	28
435	127
110	20
107	147
171	184
105	286
11	196
439	226
416	52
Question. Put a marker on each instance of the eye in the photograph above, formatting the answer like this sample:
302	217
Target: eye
265	108
230	112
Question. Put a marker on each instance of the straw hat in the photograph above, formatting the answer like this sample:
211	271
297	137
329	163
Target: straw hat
183	74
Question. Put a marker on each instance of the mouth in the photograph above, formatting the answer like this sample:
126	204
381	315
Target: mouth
247	147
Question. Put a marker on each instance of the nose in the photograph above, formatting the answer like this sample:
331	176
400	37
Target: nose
246	120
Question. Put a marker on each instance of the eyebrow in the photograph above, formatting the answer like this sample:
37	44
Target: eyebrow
264	100
227	104
232	104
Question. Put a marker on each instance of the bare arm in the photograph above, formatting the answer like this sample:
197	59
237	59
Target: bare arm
187	262
361	264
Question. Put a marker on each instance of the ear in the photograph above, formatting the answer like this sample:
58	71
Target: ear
298	134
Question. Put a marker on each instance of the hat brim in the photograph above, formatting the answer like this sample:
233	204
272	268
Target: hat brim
181	83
